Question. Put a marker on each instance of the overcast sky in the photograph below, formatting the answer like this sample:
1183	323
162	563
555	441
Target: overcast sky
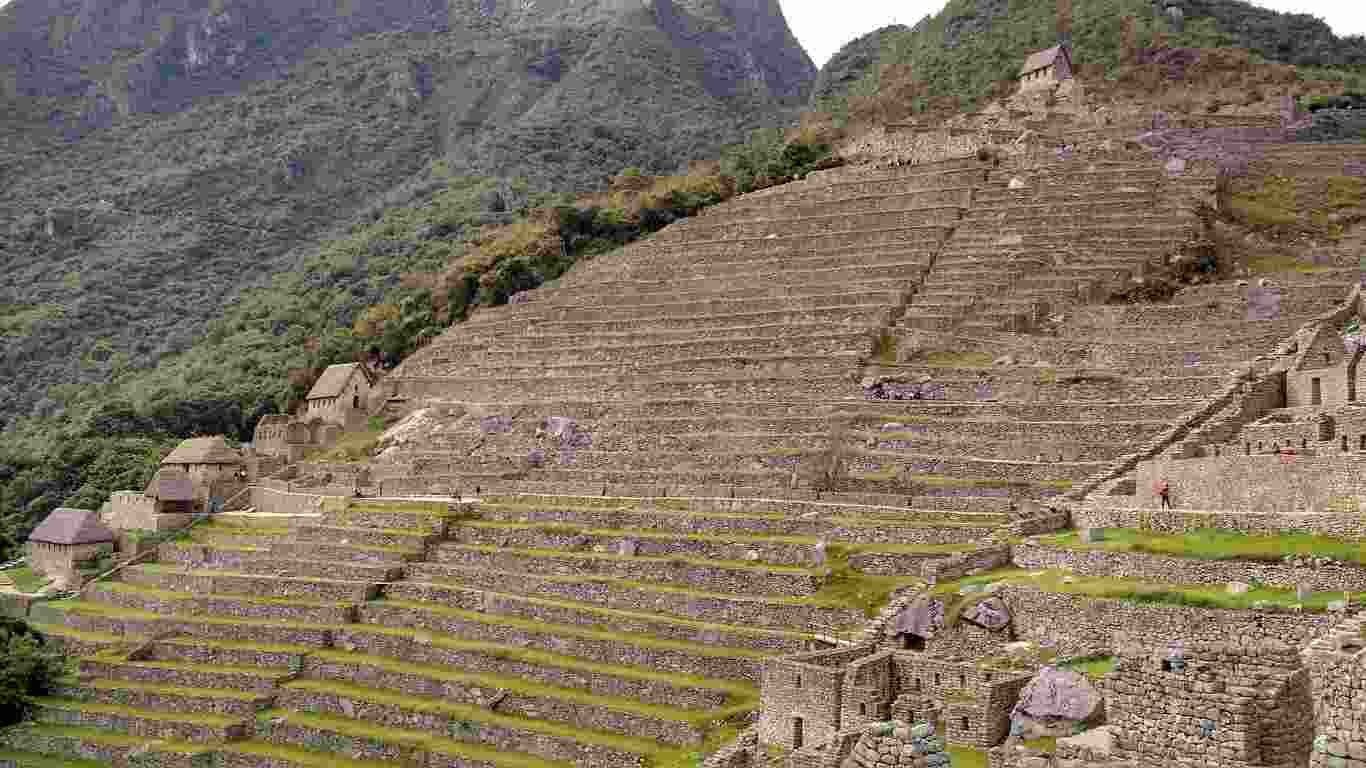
823	26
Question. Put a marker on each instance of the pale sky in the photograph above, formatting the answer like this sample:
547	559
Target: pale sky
823	26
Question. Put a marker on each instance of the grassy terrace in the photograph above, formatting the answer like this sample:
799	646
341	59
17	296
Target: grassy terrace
500	682
659	756
737	690
845	588
606	634
1134	590
25	580
876	516
569	529
1210	544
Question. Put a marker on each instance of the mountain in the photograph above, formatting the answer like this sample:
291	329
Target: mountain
852	62
971	44
164	157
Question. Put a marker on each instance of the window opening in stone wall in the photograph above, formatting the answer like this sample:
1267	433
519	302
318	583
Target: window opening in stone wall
917	684
1304	443
1327	358
1166	665
962	681
796	733
862	708
986	676
937	681
1344	442
797	681
911	642
963	721
1259	446
1316	391
1247	448
1361	442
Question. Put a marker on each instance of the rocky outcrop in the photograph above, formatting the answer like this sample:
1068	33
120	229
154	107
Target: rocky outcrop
849	64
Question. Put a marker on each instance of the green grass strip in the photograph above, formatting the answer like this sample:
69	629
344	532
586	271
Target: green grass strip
194	718
211	573
1211	544
547	658
236	645
111	738
301	757
266	673
465	712
170	595
570	529
704	562
57	630
518	685
175	690
108	611
1137	591
542	627
34	760
610	614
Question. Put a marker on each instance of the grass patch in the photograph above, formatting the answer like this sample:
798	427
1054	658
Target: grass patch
1287	206
26	580
1092	666
967	757
32	760
958	360
1211	544
1047	744
1133	590
175	690
848	588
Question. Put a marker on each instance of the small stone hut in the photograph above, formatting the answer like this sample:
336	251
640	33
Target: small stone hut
1046	68
210	464
67	538
340	396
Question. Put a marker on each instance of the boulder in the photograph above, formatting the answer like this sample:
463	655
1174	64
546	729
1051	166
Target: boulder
921	618
1058	694
990	613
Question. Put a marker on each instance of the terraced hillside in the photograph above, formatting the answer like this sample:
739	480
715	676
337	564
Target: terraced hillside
736	440
409	630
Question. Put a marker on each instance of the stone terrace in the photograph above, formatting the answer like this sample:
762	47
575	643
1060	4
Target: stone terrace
528	636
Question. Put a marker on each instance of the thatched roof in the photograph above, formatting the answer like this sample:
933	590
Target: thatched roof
72	526
1045	58
334	379
203	450
171	484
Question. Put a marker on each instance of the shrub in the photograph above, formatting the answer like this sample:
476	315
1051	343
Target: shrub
28	668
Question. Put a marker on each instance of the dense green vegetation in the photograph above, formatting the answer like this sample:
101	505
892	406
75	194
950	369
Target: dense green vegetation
28	668
972	48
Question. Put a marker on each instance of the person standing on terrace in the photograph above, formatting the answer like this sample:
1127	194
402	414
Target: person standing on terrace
1164	492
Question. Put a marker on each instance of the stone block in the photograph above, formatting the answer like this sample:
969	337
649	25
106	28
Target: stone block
1238	588
1092	535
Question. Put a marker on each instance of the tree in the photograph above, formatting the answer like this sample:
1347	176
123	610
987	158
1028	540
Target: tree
28	668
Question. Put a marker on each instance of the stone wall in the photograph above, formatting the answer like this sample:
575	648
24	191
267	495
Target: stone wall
801	696
1337	671
1334	577
1096	514
1078	625
1225	703
131	510
278	502
1282	484
959	565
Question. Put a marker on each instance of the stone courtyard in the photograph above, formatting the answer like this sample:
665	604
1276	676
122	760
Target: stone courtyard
857	471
